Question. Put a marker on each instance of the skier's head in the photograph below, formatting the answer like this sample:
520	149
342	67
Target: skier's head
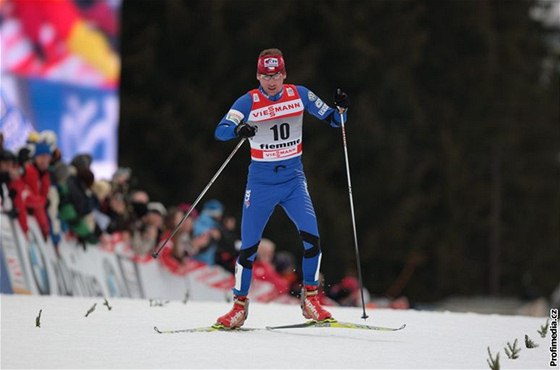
271	70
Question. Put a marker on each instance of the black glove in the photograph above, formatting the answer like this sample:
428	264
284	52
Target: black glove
245	130
341	99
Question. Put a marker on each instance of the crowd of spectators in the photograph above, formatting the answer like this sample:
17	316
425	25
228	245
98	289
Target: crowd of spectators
66	199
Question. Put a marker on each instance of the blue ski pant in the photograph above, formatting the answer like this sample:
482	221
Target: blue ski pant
270	184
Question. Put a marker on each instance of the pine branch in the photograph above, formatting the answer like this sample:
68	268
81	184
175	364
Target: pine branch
38	319
157	303
543	330
187	296
106	303
92	308
529	343
512	352
494	363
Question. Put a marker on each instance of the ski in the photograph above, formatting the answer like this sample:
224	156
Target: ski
332	323
328	323
203	329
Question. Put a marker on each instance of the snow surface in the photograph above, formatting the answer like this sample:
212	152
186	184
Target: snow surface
124	337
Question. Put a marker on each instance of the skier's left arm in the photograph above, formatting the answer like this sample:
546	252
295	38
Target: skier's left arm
315	106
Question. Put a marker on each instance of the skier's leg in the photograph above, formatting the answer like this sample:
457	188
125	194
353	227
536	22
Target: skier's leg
258	205
257	208
299	208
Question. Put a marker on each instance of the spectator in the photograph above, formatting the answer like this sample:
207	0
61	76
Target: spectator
53	198
101	190
285	264
209	223
174	216
119	209
121	180
149	233
81	196
7	160
37	180
77	205
175	257
322	295
118	214
227	252
11	188
347	291
138	207
82	162
25	153
266	250
184	245
264	269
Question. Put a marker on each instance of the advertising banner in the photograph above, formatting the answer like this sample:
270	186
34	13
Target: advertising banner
60	70
31	265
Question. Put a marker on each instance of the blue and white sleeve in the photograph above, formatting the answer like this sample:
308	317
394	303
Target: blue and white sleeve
315	106
237	114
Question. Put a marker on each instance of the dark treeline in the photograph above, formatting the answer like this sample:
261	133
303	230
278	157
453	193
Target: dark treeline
453	132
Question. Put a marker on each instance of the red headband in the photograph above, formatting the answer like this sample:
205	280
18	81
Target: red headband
270	64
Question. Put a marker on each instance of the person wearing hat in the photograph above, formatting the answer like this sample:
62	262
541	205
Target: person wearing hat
148	229
271	118
208	223
37	180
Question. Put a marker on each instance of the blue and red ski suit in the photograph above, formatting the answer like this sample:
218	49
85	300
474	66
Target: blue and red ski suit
276	173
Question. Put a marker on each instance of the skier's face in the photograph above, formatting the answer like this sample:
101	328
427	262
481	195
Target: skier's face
272	84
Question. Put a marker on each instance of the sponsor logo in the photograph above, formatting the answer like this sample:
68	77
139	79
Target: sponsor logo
247	199
281	150
280	153
280	145
319	103
312	97
290	91
271	62
256	98
277	109
235	116
323	110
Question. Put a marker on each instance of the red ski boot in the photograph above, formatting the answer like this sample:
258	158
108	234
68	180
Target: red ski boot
235	318
310	305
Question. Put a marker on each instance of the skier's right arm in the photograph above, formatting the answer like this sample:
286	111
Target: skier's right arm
238	113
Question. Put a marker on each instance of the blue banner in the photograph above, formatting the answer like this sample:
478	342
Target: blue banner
84	119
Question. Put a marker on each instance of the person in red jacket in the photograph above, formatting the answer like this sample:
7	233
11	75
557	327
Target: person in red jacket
265	270
37	182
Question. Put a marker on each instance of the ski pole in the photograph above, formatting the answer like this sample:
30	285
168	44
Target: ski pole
156	253
341	111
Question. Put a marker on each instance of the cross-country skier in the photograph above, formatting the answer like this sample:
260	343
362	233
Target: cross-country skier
271	117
